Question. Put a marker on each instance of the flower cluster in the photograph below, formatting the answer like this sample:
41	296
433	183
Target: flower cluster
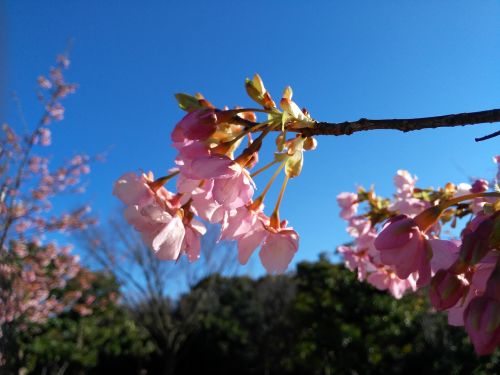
34	273
37	282
408	252
215	183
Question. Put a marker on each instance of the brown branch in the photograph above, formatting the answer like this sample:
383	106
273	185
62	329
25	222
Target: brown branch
404	125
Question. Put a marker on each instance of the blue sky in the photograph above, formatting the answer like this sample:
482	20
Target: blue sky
344	59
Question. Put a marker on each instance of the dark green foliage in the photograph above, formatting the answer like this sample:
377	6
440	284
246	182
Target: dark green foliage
348	327
72	344
320	320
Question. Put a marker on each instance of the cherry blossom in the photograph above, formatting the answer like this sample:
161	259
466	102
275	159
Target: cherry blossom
408	253
34	272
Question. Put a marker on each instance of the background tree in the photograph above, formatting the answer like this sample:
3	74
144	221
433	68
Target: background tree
149	284
102	338
38	277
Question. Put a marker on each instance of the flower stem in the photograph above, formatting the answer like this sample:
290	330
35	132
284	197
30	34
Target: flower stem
428	217
275	217
265	167
260	199
246	131
467	197
253	147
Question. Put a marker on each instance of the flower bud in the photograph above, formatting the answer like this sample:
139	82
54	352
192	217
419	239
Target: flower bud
428	217
310	143
446	289
482	322
196	125
476	241
479	186
403	245
280	141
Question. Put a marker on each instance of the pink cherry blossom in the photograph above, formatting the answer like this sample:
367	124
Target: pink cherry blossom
232	185
199	166
403	257
239	222
408	206
446	289
403	246
36	271
479	186
191	245
234	191
357	260
248	227
45	136
384	279
44	83
133	189
483	324
404	203
196	125
249	242
444	253
404	181
348	204
166	235
358	226
478	279
278	250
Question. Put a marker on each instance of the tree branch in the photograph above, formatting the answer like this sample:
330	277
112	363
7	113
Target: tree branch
489	136
404	125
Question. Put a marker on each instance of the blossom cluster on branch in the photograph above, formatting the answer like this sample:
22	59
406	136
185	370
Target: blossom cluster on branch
39	282
215	182
34	270
405	243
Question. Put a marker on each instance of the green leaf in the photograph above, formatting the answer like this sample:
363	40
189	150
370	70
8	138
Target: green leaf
253	91
187	102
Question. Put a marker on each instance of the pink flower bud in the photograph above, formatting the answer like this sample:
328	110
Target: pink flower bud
482	322
196	125
479	186
476	238
404	246
446	289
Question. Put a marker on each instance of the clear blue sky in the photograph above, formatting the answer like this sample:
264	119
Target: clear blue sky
344	59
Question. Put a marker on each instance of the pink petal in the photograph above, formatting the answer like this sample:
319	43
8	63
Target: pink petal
444	254
167	243
248	243
213	166
396	234
405	259
278	250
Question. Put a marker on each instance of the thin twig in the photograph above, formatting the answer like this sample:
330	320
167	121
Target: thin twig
489	136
